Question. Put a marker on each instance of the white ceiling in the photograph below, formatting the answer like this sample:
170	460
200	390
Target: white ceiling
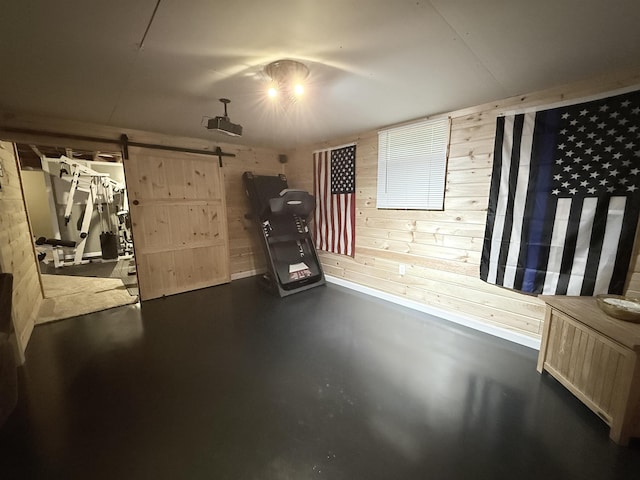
373	62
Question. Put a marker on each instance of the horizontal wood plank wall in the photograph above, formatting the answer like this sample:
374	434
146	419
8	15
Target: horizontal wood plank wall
16	249
441	249
245	251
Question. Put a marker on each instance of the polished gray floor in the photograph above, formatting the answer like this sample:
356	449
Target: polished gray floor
231	383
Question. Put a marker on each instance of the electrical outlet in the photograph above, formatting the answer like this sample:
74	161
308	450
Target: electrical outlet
402	269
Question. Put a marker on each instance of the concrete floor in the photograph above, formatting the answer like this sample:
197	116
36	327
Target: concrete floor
231	383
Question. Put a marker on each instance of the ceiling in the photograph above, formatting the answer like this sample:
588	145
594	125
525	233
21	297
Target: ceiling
161	66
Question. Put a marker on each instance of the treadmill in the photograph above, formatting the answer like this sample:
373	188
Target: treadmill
280	214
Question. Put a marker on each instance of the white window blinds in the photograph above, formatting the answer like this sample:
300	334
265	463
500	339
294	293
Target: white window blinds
412	164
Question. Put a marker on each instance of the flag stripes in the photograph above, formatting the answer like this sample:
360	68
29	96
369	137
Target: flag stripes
563	205
334	216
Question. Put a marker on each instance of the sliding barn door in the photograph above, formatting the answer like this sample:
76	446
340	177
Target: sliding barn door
179	222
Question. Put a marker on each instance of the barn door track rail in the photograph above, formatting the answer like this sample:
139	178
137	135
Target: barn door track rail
123	142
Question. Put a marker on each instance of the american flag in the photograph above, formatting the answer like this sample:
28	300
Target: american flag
565	197
335	213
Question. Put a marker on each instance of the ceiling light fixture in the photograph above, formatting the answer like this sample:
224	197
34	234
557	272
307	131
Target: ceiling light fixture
287	77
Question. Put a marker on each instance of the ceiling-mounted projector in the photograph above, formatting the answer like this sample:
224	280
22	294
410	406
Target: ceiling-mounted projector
223	124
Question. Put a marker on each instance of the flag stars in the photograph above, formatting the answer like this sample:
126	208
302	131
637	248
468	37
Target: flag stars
592	143
631	188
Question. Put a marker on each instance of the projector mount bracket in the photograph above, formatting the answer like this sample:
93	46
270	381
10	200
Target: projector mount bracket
225	102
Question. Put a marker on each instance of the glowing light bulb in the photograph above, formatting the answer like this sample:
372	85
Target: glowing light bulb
298	89
273	92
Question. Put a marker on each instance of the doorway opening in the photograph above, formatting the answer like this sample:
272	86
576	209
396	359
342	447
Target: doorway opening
79	214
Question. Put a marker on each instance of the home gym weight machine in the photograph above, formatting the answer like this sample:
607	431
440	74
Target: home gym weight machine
101	190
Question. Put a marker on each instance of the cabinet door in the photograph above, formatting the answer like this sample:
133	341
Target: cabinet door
178	219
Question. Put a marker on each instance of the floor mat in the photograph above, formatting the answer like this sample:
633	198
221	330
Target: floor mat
70	296
124	269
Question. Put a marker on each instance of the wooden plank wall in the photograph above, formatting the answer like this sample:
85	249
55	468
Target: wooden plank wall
245	251
247	257
441	249
17	254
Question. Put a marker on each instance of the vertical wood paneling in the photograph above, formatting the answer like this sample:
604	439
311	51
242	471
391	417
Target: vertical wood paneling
596	359
173	246
586	362
441	249
16	249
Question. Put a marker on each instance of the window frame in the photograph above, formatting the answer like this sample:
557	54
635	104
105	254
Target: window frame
412	165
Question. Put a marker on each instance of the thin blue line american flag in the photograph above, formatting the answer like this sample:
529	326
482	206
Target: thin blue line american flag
565	198
335	213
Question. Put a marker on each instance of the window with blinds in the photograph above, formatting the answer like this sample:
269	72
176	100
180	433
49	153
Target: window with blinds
412	165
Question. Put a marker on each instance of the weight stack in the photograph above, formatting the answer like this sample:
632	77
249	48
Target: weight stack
109	245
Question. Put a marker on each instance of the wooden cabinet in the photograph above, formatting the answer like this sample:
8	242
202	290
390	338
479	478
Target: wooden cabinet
596	357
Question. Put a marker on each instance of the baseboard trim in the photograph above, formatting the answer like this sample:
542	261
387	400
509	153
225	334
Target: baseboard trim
249	273
503	333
